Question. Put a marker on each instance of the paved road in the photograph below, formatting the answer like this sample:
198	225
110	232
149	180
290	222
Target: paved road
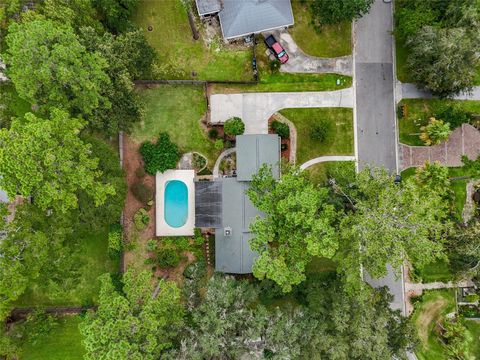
256	108
374	86
376	138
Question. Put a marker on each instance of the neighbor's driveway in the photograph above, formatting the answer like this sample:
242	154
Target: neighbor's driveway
256	108
411	91
299	62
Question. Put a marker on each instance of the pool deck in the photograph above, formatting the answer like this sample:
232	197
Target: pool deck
161	179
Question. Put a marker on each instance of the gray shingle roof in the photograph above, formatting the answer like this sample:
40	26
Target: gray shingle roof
255	150
206	7
244	17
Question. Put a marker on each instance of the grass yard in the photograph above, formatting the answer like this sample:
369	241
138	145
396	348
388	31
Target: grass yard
433	307
177	110
418	111
319	173
93	261
331	41
474	328
179	55
338	142
63	342
437	271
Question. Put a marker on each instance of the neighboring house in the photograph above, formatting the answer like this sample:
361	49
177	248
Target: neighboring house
224	205
239	18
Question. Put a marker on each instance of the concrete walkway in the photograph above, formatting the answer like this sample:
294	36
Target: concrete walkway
299	62
464	140
256	108
410	91
418	288
323	159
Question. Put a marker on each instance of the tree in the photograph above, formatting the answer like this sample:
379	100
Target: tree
161	156
443	61
45	159
234	126
298	225
116	13
435	132
390	223
76	13
138	322
326	12
464	250
434	176
49	67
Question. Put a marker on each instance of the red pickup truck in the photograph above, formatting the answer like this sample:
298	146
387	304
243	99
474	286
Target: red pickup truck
277	49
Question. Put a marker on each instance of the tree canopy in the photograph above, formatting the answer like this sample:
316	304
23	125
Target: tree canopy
298	225
139	321
49	67
160	156
331	12
46	159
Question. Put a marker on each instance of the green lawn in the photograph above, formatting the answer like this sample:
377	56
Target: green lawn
433	307
319	173
93	261
437	271
339	141
179	55
177	110
331	41
63	342
474	328
418	111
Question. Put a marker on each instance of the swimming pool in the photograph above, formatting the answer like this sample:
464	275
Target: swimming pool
176	203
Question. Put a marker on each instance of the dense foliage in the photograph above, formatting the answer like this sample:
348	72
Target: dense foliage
160	156
281	129
46	159
234	126
435	132
332	12
298	225
139	321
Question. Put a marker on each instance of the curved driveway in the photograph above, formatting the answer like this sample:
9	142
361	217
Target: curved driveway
256	108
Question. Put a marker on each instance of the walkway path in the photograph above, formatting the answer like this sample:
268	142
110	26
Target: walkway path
322	159
256	108
299	62
418	288
464	140
410	91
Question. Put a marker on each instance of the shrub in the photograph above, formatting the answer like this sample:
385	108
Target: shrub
142	192
472	297
281	129
161	156
435	132
455	115
198	237
141	219
284	147
274	66
198	161
168	257
228	144
152	245
140	172
321	130
115	240
213	134
218	144
234	126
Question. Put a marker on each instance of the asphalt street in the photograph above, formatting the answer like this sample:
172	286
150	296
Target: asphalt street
375	108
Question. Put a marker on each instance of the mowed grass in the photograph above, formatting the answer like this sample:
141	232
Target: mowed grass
331	41
63	342
436	271
92	260
176	110
339	141
319	173
179	54
418	111
432	309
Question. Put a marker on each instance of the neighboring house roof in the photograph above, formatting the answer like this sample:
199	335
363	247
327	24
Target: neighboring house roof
255	150
244	17
232	252
206	7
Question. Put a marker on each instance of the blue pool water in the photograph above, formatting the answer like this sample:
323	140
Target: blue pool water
176	203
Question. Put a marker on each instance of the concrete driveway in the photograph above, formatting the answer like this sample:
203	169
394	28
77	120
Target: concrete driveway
411	91
299	62
256	108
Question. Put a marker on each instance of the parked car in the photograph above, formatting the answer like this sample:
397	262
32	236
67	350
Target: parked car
277	49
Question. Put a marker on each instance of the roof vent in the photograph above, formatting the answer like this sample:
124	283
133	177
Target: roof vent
227	231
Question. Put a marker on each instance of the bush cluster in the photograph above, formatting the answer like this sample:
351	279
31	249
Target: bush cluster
212	134
142	192
168	257
234	126
281	129
115	245
161	156
141	219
